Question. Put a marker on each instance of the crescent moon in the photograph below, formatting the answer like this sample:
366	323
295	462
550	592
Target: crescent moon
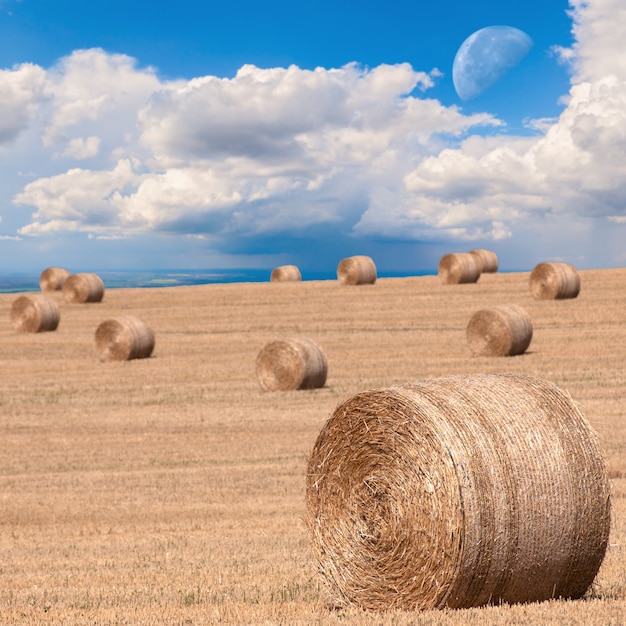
485	56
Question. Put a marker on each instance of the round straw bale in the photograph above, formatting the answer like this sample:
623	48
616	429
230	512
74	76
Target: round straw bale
487	260
52	279
356	270
286	273
295	363
554	281
457	492
124	338
503	330
81	288
34	314
458	267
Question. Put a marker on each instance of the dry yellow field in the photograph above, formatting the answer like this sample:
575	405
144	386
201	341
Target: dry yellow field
170	490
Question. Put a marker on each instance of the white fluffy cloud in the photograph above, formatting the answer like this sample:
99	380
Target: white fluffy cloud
94	91
279	150
599	39
82	148
80	199
310	117
266	151
21	89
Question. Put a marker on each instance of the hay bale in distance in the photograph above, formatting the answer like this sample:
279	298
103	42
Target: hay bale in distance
53	278
504	330
124	338
81	288
457	492
286	273
487	260
554	281
34	314
289	364
458	267
356	270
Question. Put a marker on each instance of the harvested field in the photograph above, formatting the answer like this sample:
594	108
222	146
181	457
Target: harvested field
171	489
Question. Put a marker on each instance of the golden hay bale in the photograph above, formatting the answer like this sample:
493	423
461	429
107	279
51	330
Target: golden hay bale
554	281
285	273
295	363
503	330
34	314
458	267
356	270
81	288
457	492
52	279
124	338
487	260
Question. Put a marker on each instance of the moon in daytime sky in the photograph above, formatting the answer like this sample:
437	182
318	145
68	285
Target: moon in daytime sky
486	56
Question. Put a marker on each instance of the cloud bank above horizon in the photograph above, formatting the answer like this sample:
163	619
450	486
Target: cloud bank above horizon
108	149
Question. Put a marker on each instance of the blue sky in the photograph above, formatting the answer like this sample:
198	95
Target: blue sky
243	134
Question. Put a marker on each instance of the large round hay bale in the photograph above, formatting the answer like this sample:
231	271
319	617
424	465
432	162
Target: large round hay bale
53	278
356	270
286	273
504	330
34	314
457	492
124	338
288	364
554	281
81	288
487	260
458	267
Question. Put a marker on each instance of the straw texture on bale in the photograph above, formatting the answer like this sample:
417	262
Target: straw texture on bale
457	492
289	364
81	288
487	260
34	314
504	330
124	338
554	281
286	273
458	267
356	270
52	279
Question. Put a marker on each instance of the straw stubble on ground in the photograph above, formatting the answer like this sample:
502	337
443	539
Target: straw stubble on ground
171	489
